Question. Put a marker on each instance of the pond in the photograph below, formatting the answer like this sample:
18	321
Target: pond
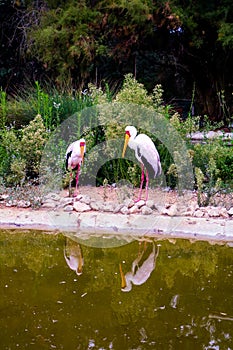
58	293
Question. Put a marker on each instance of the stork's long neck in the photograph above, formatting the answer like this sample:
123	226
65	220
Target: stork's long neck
132	142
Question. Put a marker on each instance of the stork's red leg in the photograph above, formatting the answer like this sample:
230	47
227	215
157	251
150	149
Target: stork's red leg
147	184
77	180
71	177
141	184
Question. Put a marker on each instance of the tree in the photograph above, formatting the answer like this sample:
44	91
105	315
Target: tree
177	43
206	51
15	66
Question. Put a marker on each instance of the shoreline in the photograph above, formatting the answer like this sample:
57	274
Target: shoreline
98	224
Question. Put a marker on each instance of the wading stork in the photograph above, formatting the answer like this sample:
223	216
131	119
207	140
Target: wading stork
146	153
74	158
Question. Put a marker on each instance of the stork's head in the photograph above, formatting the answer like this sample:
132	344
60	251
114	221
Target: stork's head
82	144
130	133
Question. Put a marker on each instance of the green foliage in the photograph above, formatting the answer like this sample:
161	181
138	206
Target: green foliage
213	164
21	151
206	190
3	109
225	35
9	153
32	143
64	39
219	153
44	107
134	92
75	42
186	127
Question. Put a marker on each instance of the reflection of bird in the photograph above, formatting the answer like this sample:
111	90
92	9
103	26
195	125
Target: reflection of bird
139	274
74	158
145	152
73	256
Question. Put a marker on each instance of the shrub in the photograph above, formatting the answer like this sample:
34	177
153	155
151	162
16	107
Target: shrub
9	153
34	137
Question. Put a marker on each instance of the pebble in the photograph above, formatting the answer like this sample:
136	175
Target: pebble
146	210
230	211
81	207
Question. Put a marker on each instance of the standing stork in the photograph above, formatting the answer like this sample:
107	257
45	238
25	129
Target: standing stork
145	152
74	158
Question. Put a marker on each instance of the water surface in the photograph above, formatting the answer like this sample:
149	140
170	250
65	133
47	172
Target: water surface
59	294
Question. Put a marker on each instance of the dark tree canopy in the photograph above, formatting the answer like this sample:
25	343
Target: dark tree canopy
178	43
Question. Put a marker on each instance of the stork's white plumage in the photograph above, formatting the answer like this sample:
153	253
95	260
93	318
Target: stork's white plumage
74	158
145	152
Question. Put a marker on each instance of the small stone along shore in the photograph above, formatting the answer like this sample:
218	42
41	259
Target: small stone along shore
178	206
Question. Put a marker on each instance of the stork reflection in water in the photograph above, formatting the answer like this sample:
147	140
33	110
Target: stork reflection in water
139	274
73	256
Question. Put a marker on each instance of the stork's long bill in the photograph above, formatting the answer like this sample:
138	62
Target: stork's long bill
82	145
127	137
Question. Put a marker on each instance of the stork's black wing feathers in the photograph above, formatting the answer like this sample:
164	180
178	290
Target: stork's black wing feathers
153	170
68	155
149	167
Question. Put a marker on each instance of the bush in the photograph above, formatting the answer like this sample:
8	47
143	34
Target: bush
21	150
34	137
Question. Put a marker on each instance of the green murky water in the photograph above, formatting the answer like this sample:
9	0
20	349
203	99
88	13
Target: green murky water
59	294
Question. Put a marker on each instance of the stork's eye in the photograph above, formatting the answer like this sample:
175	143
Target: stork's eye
127	133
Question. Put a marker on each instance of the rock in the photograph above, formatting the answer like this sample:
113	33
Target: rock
23	204
140	203
50	204
150	204
190	209
108	207
81	207
96	206
128	202
69	207
124	210
52	196
134	209
11	203
146	210
223	213
85	199
118	208
3	197
230	211
66	201
198	213
213	212
78	197
170	210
